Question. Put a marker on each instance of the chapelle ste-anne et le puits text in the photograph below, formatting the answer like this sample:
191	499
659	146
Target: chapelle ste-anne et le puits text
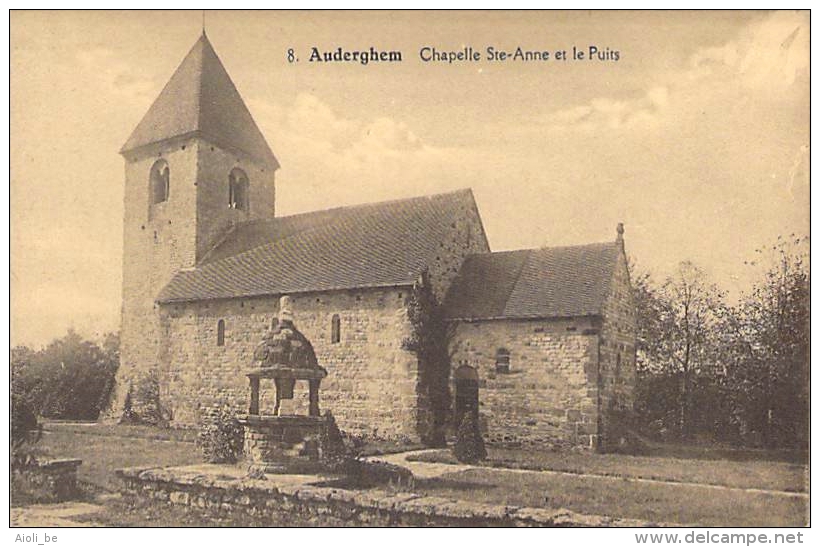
464	54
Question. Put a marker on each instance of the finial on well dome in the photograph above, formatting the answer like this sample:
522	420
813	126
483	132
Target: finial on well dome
285	312
620	237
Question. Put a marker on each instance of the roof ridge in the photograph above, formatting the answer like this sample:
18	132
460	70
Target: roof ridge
536	249
376	203
497	253
577	246
199	88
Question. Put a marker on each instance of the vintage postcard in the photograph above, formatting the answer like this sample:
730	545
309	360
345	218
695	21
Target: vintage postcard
423	269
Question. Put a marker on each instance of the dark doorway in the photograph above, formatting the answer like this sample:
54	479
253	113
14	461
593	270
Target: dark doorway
466	393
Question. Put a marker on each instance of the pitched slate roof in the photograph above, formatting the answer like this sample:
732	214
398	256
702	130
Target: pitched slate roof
372	245
200	99
533	283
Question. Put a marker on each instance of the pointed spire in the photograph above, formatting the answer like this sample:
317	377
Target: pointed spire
201	100
619	239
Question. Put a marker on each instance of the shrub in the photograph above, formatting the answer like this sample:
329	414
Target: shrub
333	450
129	417
23	420
367	474
469	447
142	403
25	432
221	437
150	410
342	453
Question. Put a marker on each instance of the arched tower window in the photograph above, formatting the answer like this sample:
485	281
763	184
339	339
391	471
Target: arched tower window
238	190
502	360
335	329
160	181
220	333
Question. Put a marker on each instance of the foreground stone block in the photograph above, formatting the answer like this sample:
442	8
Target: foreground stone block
56	480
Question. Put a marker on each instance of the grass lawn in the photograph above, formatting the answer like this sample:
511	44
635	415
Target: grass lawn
682	504
106	448
116	430
111	447
765	475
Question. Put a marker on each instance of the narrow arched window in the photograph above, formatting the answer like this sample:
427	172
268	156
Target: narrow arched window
160	181
238	190
502	360
618	365
274	323
220	333
335	330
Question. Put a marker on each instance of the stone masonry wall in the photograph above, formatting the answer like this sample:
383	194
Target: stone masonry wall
158	240
618	339
161	239
371	383
214	216
464	237
549	396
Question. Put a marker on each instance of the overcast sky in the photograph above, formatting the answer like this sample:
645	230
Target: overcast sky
696	138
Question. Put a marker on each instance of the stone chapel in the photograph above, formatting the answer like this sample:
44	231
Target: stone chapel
543	344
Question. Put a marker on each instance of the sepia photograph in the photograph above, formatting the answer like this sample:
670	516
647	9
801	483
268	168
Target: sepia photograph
410	269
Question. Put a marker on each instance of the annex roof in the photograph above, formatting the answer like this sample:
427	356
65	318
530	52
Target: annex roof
533	283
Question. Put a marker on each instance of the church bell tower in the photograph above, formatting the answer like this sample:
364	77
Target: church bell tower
195	166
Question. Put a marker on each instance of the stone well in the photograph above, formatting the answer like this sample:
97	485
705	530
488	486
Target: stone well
275	443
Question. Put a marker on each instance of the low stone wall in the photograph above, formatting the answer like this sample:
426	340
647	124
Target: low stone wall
325	506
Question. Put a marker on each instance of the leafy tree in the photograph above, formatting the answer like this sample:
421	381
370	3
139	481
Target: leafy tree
70	378
678	323
768	363
738	373
689	317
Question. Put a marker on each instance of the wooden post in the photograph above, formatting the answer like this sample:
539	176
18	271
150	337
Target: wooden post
254	409
313	391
